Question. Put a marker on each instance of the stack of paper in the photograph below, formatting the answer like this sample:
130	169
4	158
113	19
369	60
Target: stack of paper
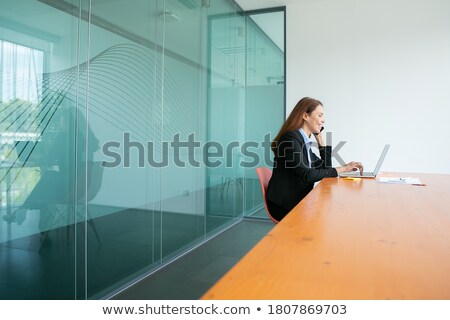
407	180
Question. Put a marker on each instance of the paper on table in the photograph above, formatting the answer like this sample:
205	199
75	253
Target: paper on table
407	180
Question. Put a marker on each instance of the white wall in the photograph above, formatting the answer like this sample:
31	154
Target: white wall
382	70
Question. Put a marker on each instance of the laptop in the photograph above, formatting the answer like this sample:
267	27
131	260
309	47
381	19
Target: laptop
357	174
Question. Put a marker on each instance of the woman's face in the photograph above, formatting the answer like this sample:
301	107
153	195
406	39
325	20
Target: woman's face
315	120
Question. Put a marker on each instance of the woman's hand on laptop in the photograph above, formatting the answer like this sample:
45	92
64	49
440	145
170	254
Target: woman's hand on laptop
351	166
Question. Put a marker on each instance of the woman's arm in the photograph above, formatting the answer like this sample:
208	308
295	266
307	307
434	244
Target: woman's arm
351	166
325	155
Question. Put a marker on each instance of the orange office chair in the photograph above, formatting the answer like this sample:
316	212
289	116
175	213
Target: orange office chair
264	175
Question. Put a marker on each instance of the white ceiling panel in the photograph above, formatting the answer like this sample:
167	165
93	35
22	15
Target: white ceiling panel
260	4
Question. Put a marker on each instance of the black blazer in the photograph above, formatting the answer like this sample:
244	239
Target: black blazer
292	179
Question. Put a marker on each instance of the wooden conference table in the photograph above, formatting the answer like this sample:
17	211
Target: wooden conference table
352	239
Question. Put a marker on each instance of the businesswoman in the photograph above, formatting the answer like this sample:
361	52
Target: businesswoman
296	168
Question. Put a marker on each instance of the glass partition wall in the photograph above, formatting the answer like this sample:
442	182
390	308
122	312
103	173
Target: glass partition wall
121	139
264	98
246	106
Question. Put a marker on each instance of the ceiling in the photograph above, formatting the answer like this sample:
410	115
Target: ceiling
260	4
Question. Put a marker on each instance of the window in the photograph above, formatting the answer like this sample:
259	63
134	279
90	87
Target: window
21	72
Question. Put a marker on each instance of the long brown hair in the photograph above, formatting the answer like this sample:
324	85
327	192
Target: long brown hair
295	119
